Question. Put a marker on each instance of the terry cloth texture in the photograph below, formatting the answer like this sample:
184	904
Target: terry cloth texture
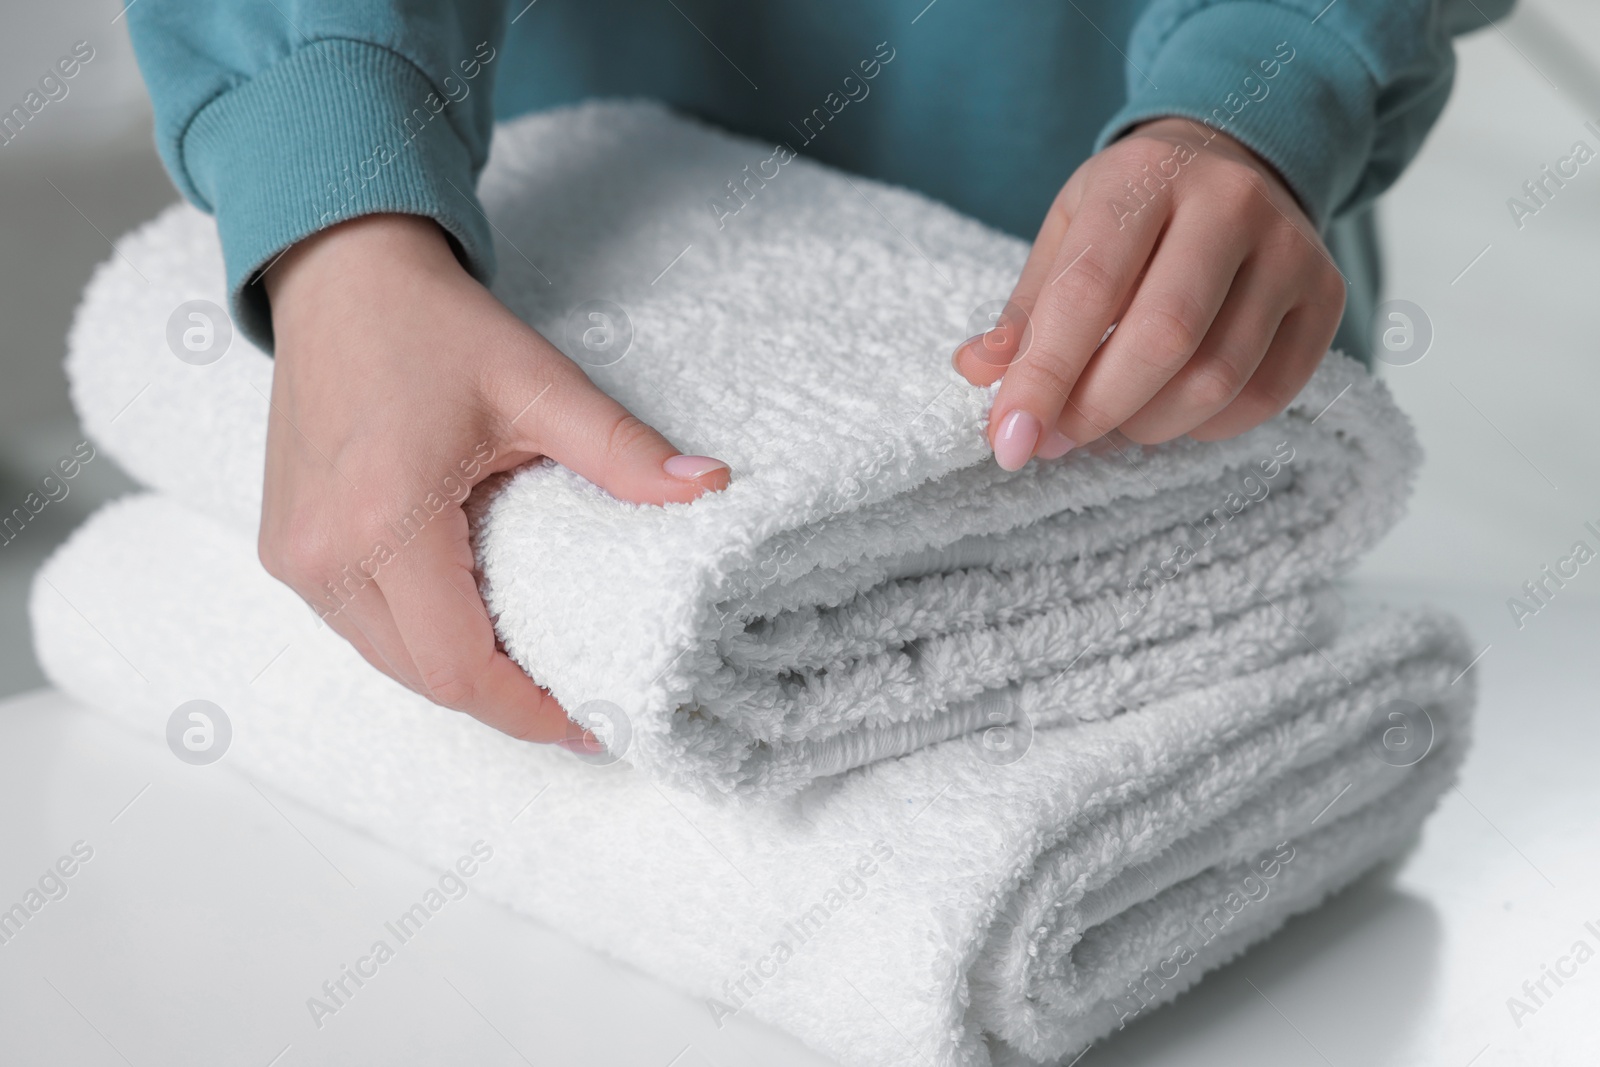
872	582
940	909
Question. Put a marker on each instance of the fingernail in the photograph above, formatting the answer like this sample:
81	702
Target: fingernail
1013	445
1055	445
587	745
985	351
688	468
975	343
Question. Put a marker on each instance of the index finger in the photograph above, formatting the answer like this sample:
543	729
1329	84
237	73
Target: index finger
434	598
1079	297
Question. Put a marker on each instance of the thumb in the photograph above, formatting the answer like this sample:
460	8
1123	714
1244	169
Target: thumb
570	420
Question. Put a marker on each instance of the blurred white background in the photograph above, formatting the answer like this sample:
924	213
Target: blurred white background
1504	401
95	148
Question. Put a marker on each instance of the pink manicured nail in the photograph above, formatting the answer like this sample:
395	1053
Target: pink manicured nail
587	745
1013	445
975	343
1055	445
689	468
985	351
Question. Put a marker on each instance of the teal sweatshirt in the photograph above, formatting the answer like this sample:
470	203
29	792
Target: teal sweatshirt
283	117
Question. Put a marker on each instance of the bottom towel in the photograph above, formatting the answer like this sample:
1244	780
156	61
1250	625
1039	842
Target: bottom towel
970	903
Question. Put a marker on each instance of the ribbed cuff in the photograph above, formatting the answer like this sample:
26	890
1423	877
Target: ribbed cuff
1293	92
336	130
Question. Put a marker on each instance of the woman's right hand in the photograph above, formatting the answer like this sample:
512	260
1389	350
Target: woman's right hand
400	382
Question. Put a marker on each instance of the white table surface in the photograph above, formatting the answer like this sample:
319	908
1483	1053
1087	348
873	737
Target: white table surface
211	911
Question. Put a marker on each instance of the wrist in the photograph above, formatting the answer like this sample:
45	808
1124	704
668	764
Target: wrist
357	249
1199	137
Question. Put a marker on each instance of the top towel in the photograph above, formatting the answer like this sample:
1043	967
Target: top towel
872	581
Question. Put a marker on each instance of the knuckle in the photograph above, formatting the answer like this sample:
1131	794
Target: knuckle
451	685
1089	284
298	550
455	677
267	553
1328	290
1169	326
1042	377
1215	384
1139	153
1244	184
360	510
1265	396
1285	246
1060	213
625	437
368	523
1235	194
403	514
1090	415
1147	431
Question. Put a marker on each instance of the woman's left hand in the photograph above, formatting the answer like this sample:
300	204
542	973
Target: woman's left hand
1223	296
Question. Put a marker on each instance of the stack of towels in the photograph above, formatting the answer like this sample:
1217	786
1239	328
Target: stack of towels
923	761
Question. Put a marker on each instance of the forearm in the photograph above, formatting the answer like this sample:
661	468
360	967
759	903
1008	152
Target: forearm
283	118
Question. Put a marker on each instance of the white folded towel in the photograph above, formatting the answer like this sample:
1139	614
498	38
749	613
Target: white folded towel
872	581
940	909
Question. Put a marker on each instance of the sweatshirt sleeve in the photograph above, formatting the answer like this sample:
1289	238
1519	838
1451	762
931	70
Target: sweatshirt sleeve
283	117
1337	96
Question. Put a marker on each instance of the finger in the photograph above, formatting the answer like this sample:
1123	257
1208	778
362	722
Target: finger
1232	349
983	359
1299	345
569	419
446	630
1100	258
339	623
1190	275
304	554
363	618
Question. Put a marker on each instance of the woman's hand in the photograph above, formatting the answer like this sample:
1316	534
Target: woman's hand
401	382
1223	297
